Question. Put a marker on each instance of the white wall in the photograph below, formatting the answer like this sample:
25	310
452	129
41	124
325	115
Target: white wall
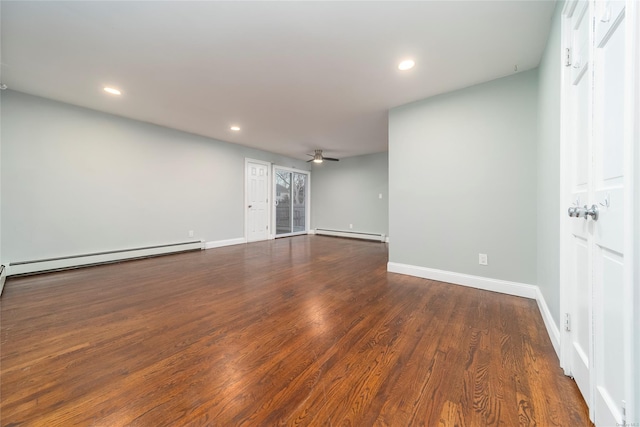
548	170
1	92
1	258
462	180
347	192
78	181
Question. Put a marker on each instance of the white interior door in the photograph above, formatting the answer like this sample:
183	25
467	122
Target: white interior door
257	200
578	99
597	124
607	191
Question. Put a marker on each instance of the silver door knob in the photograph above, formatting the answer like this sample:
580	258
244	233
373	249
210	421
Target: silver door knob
577	212
592	211
584	212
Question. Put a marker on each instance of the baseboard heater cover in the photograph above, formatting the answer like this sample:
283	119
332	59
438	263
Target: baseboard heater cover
3	277
351	234
84	260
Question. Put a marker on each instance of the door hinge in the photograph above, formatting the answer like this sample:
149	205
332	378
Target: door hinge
267	227
567	57
567	322
624	412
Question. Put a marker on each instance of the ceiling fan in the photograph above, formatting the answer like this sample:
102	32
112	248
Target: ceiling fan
319	158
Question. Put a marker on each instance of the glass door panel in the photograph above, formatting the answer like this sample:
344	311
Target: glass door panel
291	193
299	202
283	201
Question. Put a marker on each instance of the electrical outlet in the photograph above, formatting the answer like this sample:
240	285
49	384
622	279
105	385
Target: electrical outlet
350	226
483	259
380	196
190	233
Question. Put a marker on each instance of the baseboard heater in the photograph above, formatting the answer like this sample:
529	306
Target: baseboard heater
3	277
352	234
85	260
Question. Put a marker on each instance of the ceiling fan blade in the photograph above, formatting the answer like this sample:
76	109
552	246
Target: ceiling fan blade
331	159
310	160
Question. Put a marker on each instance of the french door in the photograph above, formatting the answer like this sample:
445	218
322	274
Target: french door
597	166
291	207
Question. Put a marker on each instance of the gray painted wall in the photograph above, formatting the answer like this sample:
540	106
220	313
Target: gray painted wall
78	181
549	209
347	192
462	180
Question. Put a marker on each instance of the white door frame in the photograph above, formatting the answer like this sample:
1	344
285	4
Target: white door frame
572	9
307	195
632	196
246	200
631	304
565	170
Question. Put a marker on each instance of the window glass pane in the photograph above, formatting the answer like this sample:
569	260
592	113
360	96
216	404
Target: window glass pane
299	197
283	201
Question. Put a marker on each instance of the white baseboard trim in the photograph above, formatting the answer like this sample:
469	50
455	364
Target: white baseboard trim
3	277
83	260
552	328
494	285
228	242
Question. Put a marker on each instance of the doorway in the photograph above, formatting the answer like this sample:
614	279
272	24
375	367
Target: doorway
291	207
257	212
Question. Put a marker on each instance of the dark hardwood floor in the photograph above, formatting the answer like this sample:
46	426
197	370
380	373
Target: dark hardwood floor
307	330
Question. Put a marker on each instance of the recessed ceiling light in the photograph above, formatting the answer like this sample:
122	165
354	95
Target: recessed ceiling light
406	64
236	128
112	91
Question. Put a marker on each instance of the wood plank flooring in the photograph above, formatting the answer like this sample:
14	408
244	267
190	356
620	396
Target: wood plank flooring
308	330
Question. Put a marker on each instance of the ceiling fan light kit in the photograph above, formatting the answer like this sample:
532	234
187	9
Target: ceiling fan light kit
319	158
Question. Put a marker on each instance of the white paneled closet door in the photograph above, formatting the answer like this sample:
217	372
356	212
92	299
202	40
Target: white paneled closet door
597	122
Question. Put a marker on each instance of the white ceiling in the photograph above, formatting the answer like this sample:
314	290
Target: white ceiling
294	75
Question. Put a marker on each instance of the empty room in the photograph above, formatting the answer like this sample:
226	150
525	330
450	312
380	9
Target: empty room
260	213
